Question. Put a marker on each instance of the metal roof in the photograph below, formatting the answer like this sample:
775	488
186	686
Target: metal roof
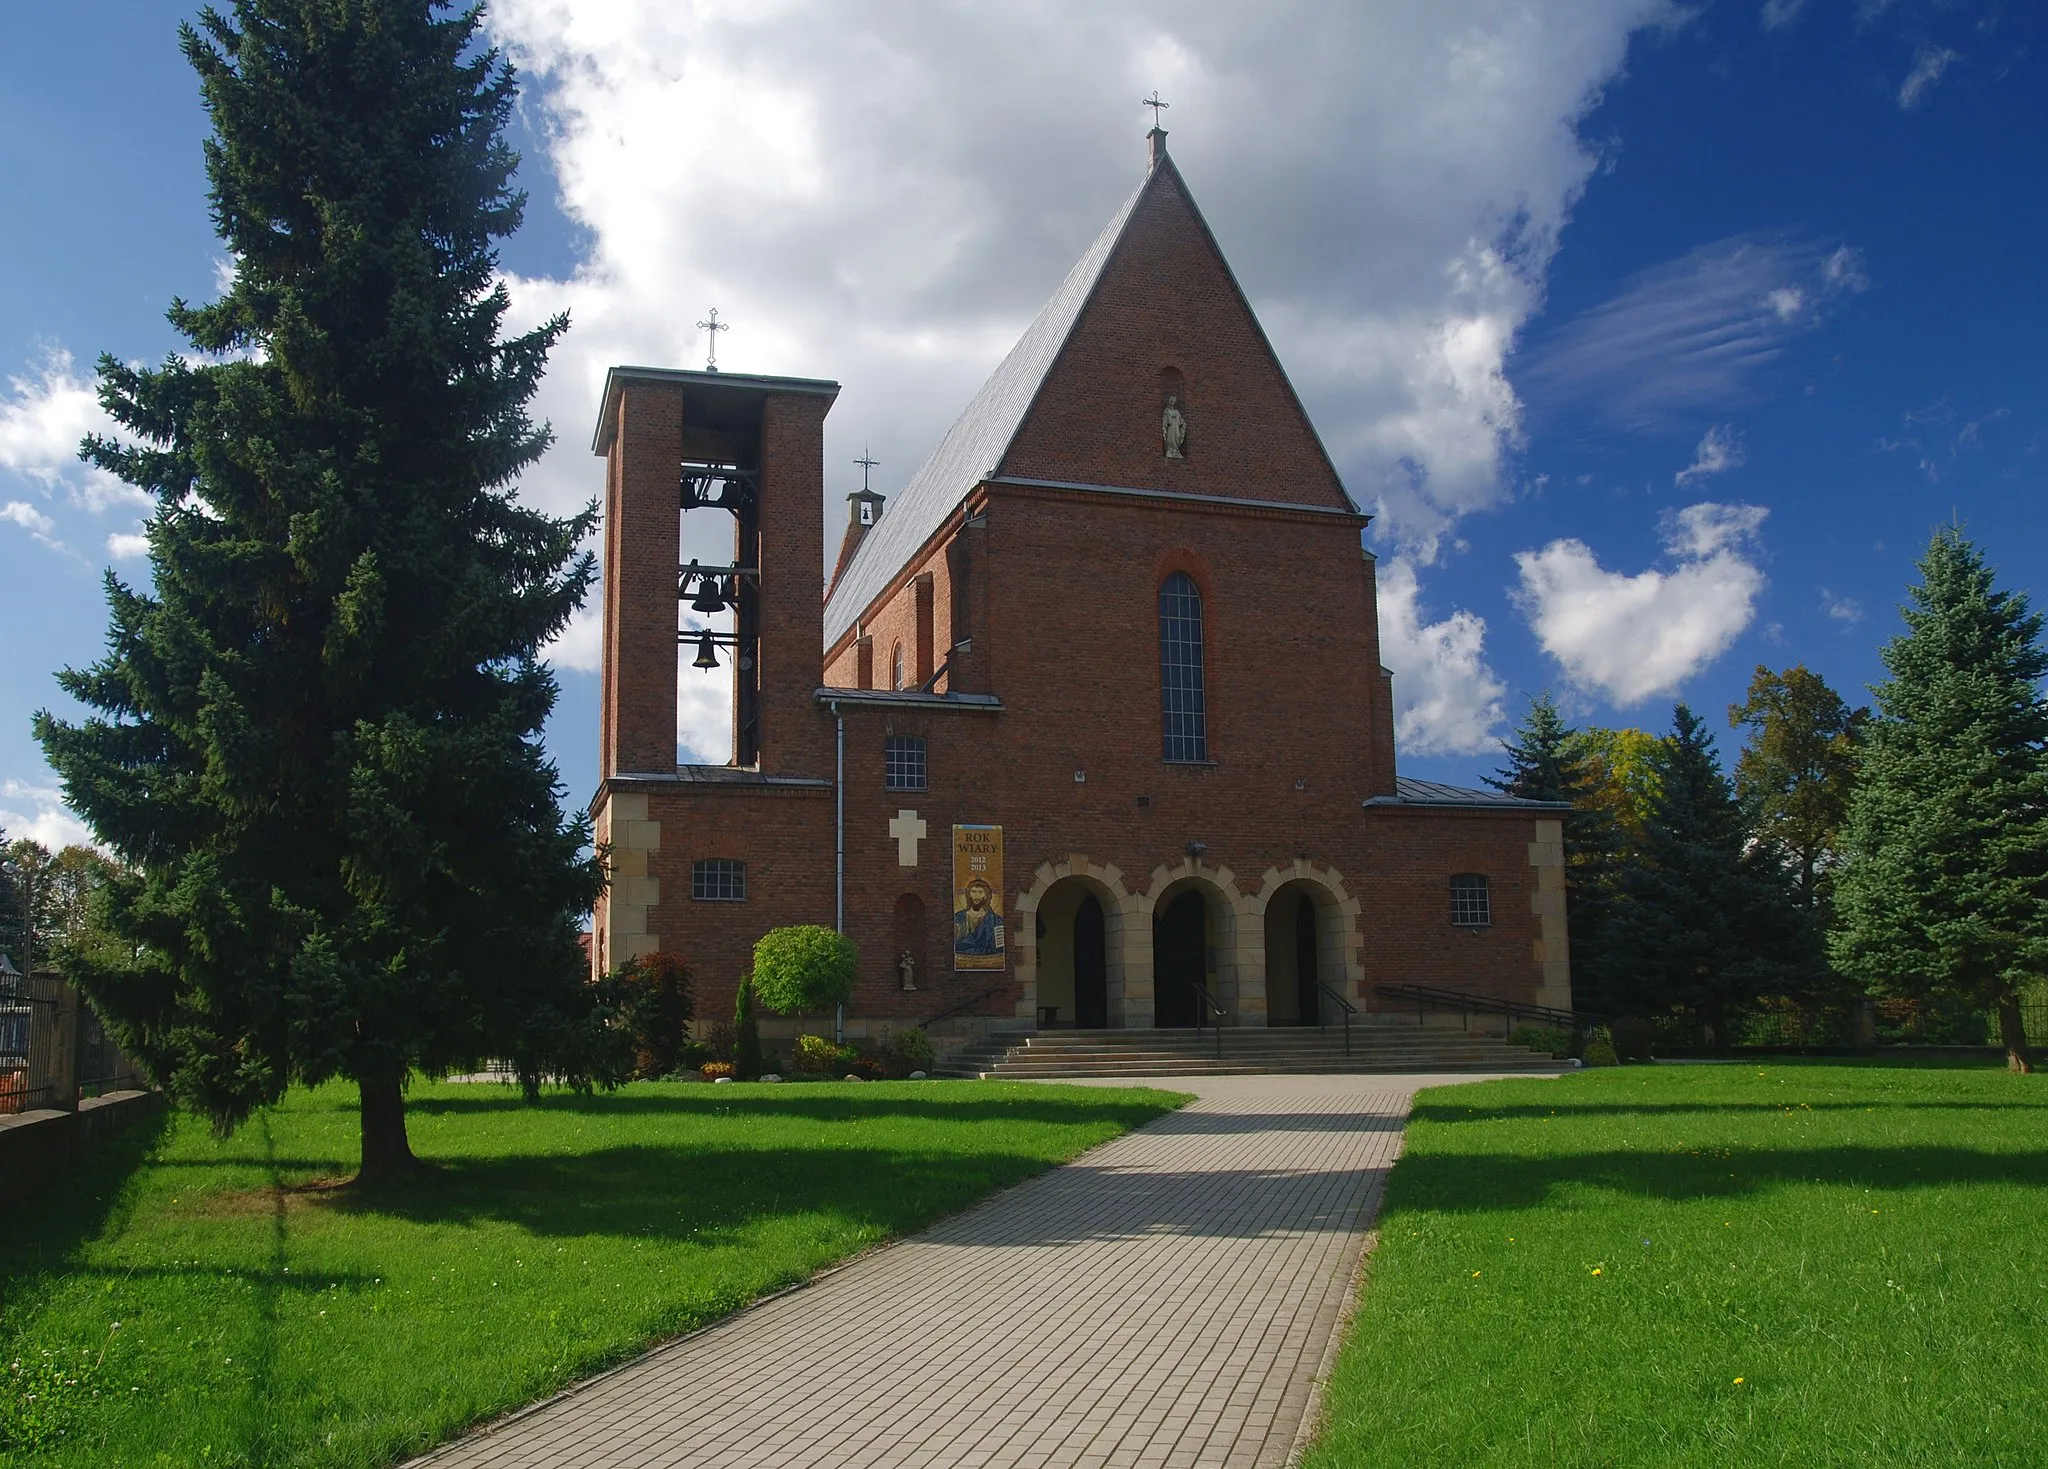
1409	791
974	446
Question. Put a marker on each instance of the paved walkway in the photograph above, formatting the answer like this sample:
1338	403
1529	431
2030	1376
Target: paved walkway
1168	1299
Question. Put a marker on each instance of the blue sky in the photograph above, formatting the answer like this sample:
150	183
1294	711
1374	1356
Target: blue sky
1659	338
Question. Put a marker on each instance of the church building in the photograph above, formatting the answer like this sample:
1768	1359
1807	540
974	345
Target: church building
1091	728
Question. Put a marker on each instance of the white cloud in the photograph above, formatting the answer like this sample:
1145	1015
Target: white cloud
1777	14
39	814
1927	69
30	519
580	645
1691	335
1447	700
1845	610
128	547
885	194
42	419
1707	529
1633	637
1720	449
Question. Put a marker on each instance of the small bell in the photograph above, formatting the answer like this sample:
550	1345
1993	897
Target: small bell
707	655
709	599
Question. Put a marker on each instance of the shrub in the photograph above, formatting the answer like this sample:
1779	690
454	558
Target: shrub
867	1068
746	1034
1542	1038
1632	1037
693	1056
804	967
1600	1048
712	1070
818	1055
655	1002
912	1050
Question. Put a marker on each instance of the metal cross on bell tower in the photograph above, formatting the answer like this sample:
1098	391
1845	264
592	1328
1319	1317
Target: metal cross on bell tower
711	329
1152	102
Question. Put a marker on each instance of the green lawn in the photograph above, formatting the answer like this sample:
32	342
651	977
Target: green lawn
183	1301
1726	1266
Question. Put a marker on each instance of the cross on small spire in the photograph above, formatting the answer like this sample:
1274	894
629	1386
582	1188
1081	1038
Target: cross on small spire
1155	104
865	464
711	329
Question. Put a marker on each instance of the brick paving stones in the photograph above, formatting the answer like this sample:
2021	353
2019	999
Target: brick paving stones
1168	1299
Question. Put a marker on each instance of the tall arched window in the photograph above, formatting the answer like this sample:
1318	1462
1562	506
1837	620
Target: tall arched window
1184	713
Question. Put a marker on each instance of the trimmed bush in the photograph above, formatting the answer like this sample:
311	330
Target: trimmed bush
1600	1052
804	967
712	1070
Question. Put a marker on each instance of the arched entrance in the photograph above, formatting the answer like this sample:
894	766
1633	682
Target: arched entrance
1181	950
1072	931
1293	957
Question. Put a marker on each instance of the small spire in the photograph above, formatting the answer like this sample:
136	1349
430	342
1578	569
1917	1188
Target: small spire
1157	137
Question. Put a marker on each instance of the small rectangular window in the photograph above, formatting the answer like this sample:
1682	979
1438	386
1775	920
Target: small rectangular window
1471	906
903	762
718	880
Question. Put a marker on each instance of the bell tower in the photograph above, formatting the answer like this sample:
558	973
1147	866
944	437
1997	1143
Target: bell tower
675	444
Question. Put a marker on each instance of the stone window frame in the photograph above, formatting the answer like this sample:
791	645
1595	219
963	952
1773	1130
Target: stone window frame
1471	900
1183	671
904	765
718	880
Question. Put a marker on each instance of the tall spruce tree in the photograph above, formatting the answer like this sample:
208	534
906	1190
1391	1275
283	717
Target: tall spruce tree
1945	887
317	739
1546	761
1703	920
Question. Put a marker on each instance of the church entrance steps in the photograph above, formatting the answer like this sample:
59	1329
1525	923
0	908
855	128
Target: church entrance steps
1249	1050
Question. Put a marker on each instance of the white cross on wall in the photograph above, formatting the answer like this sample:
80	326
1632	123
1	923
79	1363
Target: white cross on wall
907	828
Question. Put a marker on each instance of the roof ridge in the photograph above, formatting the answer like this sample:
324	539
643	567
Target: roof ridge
981	436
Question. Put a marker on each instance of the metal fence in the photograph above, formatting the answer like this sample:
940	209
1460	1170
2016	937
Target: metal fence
53	1048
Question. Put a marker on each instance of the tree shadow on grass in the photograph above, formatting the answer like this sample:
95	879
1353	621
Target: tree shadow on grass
44	1235
1457	1112
1485	1182
709	1195
811	1105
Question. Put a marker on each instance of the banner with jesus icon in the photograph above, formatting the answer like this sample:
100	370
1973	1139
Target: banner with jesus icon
977	897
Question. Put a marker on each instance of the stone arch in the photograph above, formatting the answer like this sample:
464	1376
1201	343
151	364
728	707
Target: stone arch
1118	904
1340	951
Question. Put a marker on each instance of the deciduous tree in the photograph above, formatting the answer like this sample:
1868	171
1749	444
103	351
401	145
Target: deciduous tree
1797	772
317	735
1944	890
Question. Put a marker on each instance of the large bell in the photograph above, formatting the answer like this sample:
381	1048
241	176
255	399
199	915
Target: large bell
709	598
707	655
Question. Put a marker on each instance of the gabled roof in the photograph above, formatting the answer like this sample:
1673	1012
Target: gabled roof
975	444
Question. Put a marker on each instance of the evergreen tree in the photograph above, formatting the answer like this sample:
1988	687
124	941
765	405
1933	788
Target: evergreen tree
317	737
1795	777
1703	921
1945	888
1546	762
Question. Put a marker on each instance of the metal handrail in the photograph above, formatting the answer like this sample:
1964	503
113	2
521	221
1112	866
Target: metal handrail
1467	1004
1217	1009
1349	1011
951	1011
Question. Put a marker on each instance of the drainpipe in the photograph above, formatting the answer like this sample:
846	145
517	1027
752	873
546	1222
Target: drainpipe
839	853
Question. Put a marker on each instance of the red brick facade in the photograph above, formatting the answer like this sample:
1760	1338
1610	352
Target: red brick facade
1028	625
